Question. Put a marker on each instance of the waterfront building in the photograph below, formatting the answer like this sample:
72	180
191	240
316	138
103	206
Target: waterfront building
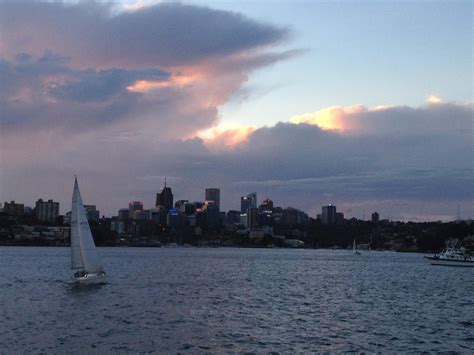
13	209
47	211
164	198
213	194
329	214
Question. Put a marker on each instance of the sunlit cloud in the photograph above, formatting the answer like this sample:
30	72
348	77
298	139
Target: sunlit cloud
432	99
225	137
143	86
331	118
138	5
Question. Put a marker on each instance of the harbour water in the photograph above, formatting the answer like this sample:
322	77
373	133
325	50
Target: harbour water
234	300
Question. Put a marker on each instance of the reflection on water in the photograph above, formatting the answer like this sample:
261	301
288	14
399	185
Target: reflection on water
234	300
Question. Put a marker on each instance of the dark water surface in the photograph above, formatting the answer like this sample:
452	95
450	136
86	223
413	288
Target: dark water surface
234	300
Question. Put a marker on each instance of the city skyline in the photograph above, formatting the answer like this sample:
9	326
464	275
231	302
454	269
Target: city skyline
247	201
367	106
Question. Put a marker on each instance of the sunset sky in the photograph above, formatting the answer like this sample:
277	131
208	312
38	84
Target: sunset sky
367	105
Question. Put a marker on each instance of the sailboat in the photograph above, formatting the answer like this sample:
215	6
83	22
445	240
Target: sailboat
84	256
354	248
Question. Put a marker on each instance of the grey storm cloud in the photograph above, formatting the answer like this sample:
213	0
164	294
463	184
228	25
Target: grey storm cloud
99	85
164	34
68	65
46	92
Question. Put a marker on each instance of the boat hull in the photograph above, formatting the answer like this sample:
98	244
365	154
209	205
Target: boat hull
444	262
91	278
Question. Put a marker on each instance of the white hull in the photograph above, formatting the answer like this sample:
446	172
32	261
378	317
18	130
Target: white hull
84	256
442	262
91	278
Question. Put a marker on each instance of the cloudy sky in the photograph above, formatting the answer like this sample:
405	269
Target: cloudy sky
367	105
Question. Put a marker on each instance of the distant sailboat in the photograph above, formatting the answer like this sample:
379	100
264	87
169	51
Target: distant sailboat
354	248
84	256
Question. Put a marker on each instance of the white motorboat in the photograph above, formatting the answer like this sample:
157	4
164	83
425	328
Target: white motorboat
84	256
452	255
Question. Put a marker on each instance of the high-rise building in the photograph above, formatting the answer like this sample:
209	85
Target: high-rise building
375	218
213	194
13	209
135	206
92	213
164	198
212	216
47	211
248	201
329	214
252	217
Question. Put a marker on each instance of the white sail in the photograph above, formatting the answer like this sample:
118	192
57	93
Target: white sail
83	252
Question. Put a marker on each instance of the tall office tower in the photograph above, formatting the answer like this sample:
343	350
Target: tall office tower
248	201
134	206
214	194
165	198
329	214
47	211
375	218
253	199
252	217
244	204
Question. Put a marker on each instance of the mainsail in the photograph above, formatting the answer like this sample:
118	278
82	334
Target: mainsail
83	252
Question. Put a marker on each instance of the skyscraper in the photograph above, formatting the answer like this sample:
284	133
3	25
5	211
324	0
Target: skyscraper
214	194
329	214
165	198
248	201
375	218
